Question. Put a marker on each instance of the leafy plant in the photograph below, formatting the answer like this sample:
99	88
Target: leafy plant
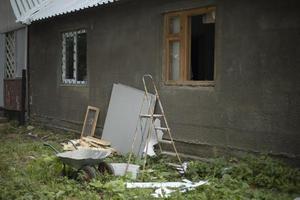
28	170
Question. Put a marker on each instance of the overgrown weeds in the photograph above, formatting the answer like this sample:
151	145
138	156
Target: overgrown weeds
28	170
258	172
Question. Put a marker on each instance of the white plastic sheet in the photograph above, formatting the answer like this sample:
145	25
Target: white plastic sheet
123	116
162	189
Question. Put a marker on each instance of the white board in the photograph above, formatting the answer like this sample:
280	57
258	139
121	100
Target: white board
123	117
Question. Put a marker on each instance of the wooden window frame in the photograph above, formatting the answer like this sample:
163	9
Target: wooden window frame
94	122
184	39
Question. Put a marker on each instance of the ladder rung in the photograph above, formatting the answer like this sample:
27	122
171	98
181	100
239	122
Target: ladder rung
162	128
180	168
148	116
166	141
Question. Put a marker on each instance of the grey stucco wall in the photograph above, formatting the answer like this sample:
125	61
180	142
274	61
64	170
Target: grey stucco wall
20	35
7	17
254	105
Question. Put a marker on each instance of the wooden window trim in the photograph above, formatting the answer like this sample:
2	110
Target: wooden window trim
190	83
184	50
94	123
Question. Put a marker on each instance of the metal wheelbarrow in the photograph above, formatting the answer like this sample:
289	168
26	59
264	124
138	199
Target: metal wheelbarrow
84	161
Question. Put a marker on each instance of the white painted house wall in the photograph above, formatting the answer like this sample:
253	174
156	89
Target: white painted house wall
20	51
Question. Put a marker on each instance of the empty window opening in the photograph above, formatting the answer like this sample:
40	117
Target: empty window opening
190	45
74	63
202	48
81	51
70	57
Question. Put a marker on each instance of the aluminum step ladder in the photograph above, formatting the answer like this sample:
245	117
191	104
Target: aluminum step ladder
152	116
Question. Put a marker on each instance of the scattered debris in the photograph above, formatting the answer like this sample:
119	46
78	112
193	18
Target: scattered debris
70	145
31	157
30	128
119	169
25	161
95	141
162	188
156	136
162	192
180	168
46	136
32	135
88	143
185	184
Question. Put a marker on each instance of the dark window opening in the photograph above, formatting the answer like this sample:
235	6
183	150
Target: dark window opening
202	48
69	57
81	53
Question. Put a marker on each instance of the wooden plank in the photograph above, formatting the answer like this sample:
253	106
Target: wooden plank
84	144
183	47
190	83
87	143
12	94
97	141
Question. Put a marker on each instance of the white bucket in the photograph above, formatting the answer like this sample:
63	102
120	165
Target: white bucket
119	169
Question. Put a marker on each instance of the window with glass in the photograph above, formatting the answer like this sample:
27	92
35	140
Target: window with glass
74	57
190	46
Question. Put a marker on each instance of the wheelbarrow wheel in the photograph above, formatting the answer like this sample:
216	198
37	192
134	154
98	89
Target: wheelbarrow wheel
87	173
105	168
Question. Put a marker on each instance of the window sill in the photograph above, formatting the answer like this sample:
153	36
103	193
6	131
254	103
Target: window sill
73	85
191	83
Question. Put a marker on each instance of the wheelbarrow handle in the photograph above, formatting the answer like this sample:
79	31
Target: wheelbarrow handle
73	144
52	147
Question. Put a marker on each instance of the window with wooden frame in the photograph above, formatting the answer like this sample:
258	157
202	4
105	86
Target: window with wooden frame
190	46
74	57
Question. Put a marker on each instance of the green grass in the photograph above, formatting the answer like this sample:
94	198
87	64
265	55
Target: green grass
28	170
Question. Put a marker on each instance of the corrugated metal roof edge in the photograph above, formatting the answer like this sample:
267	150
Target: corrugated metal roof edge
75	10
30	18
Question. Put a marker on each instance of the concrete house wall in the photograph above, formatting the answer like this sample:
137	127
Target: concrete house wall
254	105
7	19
